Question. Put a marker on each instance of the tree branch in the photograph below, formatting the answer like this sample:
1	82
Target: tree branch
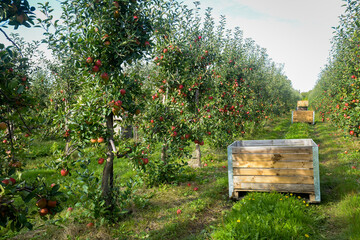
8	38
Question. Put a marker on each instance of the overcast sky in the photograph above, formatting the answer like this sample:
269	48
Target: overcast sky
296	33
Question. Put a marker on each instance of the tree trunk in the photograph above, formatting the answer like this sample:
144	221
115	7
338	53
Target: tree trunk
108	173
198	154
163	153
197	146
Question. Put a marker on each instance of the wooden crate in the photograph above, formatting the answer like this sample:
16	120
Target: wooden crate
304	103
303	116
289	165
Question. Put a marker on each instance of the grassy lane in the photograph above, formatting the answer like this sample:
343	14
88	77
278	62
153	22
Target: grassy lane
201	195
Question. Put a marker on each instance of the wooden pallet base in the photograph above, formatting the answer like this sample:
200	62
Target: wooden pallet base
240	194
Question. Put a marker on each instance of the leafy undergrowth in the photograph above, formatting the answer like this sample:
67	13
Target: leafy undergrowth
269	216
196	206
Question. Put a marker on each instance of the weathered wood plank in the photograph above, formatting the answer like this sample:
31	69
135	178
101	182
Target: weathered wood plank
303	116
295	188
273	179
304	103
273	157
272	149
272	172
271	164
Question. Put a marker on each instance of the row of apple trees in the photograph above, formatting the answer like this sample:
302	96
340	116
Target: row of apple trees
156	65
336	94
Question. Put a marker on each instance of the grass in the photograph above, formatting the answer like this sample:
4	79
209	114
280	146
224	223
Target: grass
208	213
268	216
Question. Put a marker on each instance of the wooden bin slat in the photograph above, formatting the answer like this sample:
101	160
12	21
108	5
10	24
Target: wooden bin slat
283	165
270	164
273	157
273	179
272	172
303	116
279	187
272	149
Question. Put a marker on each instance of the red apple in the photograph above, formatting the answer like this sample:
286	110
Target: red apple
181	86
187	136
13	181
211	98
95	69
4	141
101	160
93	140
5	181
98	63
189	184
43	211
205	165
105	76
165	50
53	185
122	91
89	60
145	161
152	121
100	140
70	209
224	166
195	188
161	119
178	211
353	167
89	225
51	203
351	132
41	203
64	172
27	135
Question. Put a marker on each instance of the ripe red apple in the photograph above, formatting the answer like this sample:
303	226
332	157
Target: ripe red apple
70	209
201	143
13	181
104	76
89	225
98	63
135	18
165	50
145	161
64	172
41	203
107	43
224	166
152	121
211	98
43	211
351	132
27	135
195	188
53	185
181	86
101	160
95	69
178	211
122	91
4	141
100	140
93	140
187	136
353	167
205	165
189	184
174	134
161	119
89	60
5	181
51	203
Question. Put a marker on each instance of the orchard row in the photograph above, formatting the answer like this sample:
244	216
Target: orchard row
155	65
337	93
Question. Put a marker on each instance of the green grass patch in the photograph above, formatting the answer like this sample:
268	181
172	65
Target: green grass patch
268	216
298	131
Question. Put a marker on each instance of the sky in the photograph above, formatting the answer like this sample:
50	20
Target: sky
296	33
